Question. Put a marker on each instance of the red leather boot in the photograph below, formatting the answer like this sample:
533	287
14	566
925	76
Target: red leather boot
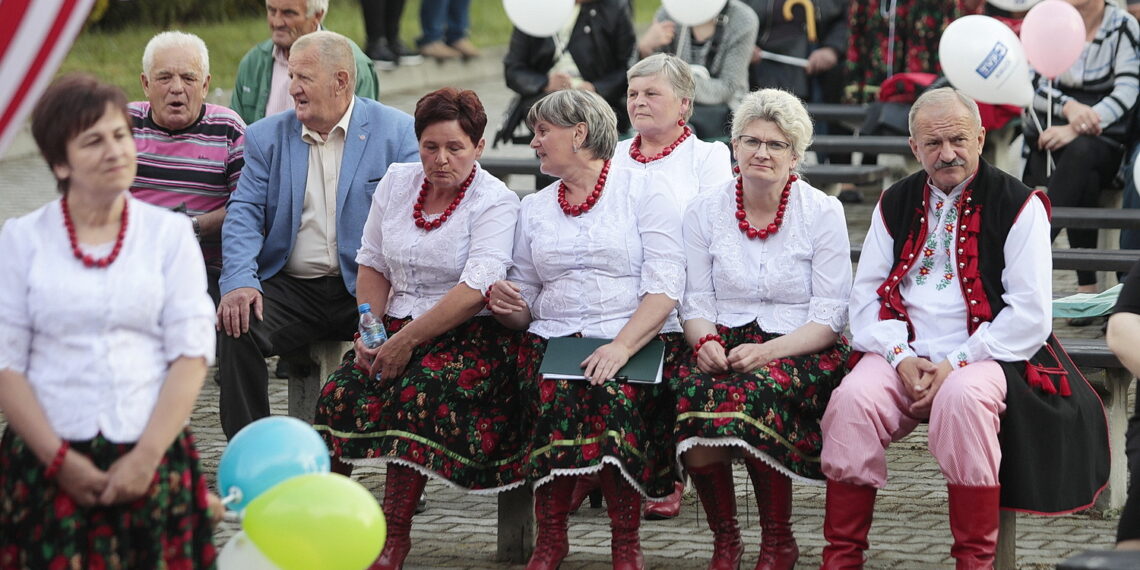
714	486
402	489
846	523
551	509
974	521
586	486
623	503
667	509
778	549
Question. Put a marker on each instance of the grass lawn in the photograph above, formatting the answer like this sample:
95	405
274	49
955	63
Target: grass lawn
117	56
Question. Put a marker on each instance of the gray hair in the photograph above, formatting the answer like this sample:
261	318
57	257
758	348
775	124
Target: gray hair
943	96
176	39
674	69
312	7
333	50
569	107
783	109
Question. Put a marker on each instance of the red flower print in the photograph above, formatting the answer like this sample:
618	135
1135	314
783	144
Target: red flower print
59	563
631	439
442	411
64	505
407	394
591	451
432	362
924	271
725	408
373	409
629	390
781	377
928	251
488	441
827	362
467	379
948	276
683	405
546	390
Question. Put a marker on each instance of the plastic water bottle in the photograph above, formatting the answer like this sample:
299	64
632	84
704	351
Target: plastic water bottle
372	332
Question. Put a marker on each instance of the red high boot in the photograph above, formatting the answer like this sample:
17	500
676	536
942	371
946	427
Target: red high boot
974	521
623	503
715	488
551	508
846	522
667	509
586	486
402	489
778	549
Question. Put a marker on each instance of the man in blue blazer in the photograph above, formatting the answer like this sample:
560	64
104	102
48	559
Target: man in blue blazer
295	221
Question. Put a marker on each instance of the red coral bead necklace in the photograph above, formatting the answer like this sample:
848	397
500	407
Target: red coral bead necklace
635	148
418	209
742	215
87	260
579	209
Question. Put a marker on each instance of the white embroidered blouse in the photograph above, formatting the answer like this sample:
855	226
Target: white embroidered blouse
473	246
693	166
933	296
588	273
800	274
96	344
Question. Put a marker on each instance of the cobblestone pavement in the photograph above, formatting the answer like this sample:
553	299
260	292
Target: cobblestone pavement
458	530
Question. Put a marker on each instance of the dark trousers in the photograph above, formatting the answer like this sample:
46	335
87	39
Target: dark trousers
382	19
1129	526
1082	169
296	313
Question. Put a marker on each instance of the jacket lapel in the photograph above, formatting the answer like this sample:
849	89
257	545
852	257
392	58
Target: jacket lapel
355	141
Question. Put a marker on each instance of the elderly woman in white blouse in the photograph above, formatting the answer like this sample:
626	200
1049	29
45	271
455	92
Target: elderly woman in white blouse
597	254
768	281
106	331
439	233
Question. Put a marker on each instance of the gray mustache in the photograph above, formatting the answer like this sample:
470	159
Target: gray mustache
956	162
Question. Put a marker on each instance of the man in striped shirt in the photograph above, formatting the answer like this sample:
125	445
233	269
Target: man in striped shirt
189	151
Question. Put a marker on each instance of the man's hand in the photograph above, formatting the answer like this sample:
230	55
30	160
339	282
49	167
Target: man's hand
660	33
1057	137
558	81
911	373
821	60
933	381
233	310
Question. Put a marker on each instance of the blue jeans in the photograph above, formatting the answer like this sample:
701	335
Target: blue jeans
445	20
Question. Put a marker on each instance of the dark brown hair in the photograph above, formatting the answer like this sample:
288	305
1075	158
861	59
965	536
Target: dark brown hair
451	104
69	106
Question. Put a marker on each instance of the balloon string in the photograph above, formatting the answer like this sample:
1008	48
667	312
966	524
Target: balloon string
1048	125
233	496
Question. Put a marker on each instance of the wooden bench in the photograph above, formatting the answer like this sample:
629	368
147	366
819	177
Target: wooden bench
851	116
309	367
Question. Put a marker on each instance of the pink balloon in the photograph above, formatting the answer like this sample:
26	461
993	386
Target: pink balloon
1053	35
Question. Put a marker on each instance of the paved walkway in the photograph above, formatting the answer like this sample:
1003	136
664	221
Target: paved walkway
458	530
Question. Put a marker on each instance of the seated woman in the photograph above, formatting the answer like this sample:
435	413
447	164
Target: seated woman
1092	111
591	53
106	332
719	50
769	275
597	254
440	232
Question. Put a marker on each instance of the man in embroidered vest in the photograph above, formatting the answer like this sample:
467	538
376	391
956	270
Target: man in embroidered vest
189	151
936	321
294	223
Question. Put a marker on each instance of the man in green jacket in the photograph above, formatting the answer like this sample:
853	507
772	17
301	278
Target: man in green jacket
262	86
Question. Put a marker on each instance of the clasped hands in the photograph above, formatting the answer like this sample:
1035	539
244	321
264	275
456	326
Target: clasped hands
922	379
714	359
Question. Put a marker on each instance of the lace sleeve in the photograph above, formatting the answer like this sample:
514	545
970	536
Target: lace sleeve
479	274
699	306
660	276
830	312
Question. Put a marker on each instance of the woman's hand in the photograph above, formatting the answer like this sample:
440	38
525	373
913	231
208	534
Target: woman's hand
364	355
1057	137
506	298
712	358
81	479
603	364
1082	118
749	357
392	357
129	478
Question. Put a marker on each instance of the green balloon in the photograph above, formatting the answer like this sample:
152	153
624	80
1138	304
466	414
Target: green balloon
319	521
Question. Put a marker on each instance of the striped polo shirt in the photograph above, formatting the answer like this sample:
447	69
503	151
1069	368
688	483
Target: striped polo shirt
193	169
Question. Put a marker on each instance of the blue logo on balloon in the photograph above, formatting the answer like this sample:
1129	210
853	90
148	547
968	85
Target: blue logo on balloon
265	453
992	60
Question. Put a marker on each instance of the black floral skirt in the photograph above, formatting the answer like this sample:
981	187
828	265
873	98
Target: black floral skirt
42	527
772	412
575	426
453	414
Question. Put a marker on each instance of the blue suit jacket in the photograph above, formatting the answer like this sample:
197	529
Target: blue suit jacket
264	213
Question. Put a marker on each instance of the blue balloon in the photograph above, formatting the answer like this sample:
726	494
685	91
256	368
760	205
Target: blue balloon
267	452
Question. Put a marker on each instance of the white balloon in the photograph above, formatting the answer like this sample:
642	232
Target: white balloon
983	58
1013	5
692	12
240	553
539	18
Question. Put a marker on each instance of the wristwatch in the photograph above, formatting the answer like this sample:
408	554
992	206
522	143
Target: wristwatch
197	227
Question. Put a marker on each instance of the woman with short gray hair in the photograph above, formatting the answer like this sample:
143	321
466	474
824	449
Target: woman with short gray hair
597	254
768	282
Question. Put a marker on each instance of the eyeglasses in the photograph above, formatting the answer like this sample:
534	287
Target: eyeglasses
753	144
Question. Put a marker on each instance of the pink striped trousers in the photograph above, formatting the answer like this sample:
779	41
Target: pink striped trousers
870	409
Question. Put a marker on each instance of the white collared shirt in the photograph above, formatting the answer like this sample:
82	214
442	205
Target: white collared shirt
692	167
314	253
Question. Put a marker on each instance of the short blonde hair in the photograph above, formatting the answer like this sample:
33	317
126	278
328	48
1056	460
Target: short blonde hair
783	109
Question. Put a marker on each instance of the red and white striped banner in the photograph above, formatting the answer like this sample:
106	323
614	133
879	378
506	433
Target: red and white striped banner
35	35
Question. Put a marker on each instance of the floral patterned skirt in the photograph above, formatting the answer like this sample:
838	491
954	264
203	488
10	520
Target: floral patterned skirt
773	412
453	414
575	427
42	527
